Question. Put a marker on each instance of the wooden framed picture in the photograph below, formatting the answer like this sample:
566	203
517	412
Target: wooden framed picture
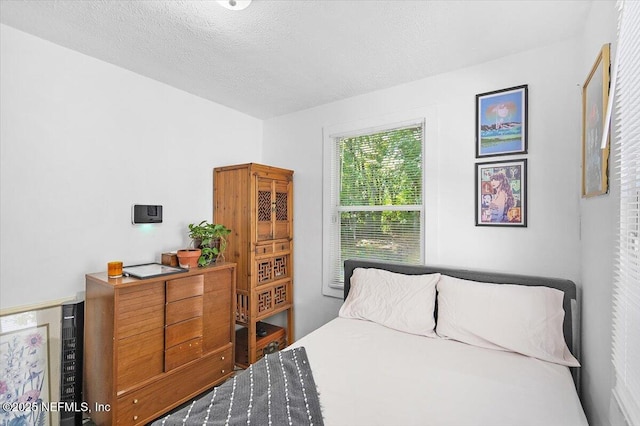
501	122
501	193
595	159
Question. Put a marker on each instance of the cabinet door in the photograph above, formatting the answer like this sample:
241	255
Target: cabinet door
273	204
282	209
218	303
139	333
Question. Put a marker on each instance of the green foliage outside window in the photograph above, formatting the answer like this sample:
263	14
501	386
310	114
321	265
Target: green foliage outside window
381	170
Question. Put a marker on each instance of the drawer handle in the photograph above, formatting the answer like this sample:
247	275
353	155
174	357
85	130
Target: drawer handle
135	401
271	348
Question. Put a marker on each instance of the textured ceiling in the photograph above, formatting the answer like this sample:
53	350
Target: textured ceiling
278	56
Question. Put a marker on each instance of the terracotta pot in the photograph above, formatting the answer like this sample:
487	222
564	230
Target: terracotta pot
188	258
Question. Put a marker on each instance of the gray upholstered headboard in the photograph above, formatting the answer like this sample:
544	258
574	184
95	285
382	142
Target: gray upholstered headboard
571	317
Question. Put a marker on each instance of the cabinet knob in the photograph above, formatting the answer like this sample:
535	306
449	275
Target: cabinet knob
223	371
135	417
222	357
135	401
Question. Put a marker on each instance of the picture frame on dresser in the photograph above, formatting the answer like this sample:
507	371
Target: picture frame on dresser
501	122
151	270
501	193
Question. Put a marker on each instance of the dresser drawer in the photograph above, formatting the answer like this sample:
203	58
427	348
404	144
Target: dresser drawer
272	247
139	309
183	288
264	249
183	331
279	246
147	403
182	353
183	310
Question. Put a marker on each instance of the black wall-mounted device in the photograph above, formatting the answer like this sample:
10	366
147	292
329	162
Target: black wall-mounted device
143	213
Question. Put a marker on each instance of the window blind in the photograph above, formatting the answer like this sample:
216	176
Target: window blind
377	198
626	292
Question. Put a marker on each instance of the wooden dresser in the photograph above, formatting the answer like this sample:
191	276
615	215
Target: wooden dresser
152	344
256	202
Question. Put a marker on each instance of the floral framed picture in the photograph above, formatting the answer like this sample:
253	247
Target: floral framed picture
501	193
30	365
25	367
501	122
595	159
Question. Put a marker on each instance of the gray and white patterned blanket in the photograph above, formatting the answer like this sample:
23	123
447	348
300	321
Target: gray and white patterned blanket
277	390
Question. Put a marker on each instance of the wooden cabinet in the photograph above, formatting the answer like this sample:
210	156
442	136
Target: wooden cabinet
256	202
152	344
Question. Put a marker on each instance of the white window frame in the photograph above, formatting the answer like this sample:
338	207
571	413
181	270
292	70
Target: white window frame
330	183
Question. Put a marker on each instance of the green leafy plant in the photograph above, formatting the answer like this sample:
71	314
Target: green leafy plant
211	238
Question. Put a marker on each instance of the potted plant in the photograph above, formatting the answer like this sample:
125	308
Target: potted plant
189	258
211	239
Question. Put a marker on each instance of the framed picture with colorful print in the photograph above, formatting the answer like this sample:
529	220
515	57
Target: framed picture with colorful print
30	360
595	95
501	122
501	193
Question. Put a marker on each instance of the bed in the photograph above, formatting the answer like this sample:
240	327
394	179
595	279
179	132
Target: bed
383	361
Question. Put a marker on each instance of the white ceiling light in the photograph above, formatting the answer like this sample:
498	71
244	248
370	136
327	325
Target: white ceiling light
234	4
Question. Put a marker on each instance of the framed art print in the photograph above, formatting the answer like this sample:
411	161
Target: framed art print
595	95
30	360
501	193
501	122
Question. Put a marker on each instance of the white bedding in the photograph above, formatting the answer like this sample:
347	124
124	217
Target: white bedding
368	375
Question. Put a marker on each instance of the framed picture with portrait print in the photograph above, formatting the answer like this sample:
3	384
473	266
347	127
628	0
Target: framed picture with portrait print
501	193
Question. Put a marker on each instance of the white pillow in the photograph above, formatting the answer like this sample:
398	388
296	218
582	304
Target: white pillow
517	318
402	302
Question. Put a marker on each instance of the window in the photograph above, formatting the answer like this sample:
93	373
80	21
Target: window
626	293
373	199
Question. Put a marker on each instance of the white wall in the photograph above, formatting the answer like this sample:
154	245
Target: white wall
83	140
598	230
550	244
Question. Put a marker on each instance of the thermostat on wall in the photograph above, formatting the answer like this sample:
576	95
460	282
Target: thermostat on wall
143	213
